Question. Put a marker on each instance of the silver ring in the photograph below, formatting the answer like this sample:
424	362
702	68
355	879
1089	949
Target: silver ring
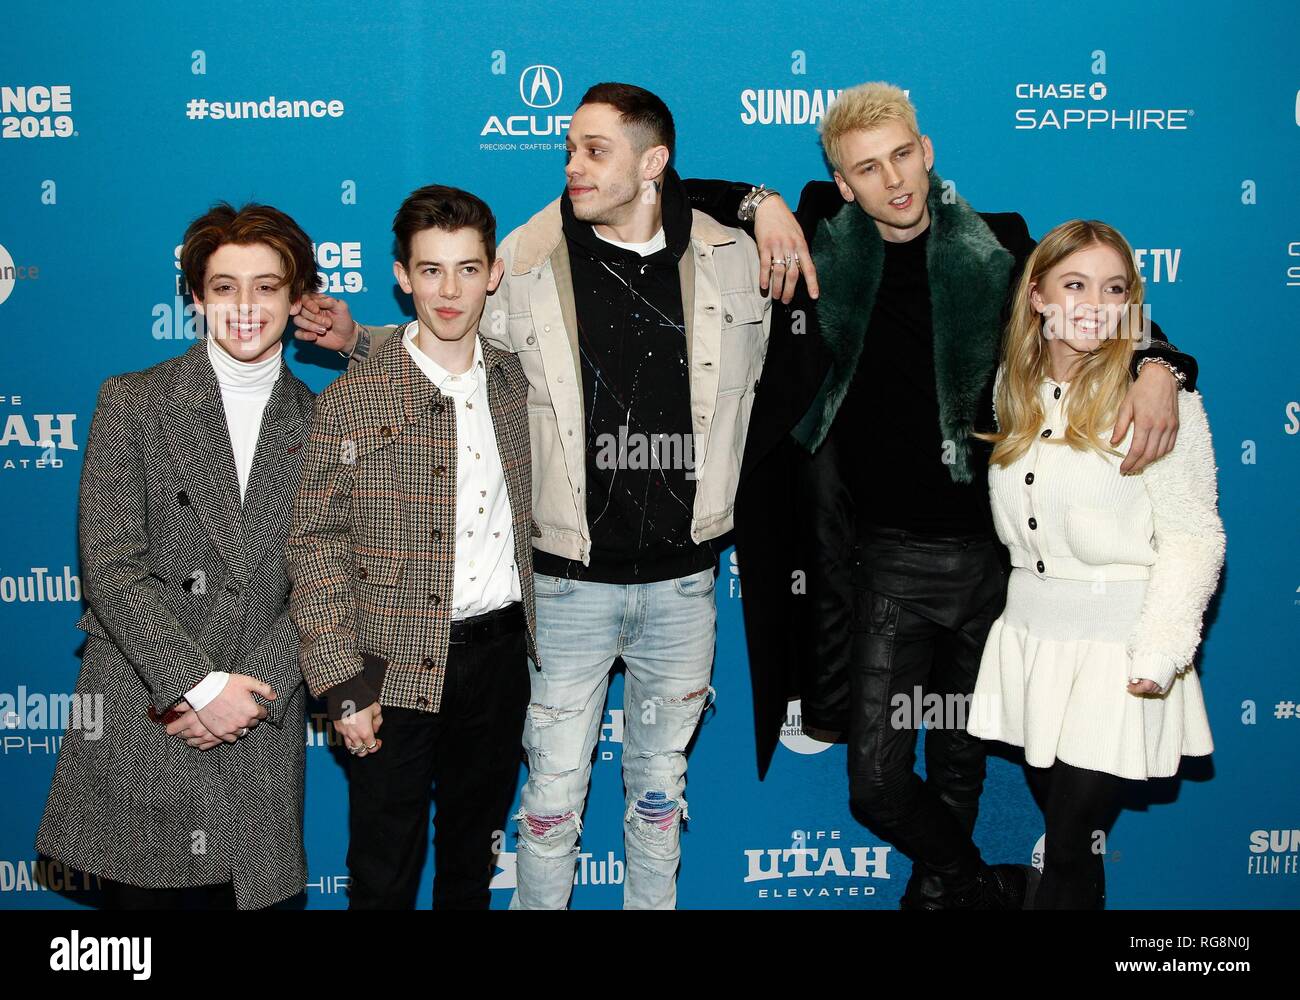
373	746
354	750
244	731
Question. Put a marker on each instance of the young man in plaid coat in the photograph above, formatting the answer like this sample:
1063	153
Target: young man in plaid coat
411	557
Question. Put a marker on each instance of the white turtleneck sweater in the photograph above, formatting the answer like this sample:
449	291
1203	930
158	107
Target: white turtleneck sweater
245	389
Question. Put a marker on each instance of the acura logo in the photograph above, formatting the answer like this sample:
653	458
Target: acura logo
541	86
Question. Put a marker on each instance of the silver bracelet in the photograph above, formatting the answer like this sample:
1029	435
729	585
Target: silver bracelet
1180	376
749	204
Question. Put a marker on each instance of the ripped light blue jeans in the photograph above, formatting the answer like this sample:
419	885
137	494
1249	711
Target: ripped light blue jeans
665	634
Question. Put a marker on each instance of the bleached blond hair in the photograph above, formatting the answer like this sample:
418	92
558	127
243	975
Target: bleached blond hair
866	106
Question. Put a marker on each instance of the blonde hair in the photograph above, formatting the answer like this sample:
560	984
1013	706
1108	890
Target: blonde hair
1102	377
866	106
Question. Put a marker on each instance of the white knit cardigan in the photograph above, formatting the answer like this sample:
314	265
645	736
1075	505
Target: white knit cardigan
1070	514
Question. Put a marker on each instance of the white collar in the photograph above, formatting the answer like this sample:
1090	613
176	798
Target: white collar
442	379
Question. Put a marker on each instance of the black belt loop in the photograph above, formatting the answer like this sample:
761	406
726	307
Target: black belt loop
487	626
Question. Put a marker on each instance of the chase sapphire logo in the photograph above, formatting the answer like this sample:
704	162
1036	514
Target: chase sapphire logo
541	86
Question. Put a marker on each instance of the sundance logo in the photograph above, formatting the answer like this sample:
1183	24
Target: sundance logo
1274	852
102	954
792	734
11	273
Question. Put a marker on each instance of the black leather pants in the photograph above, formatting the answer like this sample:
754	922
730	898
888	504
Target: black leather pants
923	606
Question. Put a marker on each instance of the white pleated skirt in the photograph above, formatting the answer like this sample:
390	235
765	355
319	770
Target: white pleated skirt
1054	680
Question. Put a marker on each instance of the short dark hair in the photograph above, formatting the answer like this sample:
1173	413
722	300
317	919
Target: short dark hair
642	112
253	223
437	206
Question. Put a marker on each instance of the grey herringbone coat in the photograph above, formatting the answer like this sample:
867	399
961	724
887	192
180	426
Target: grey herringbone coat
372	552
182	580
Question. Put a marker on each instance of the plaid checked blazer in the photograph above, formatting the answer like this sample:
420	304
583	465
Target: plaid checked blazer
182	580
373	545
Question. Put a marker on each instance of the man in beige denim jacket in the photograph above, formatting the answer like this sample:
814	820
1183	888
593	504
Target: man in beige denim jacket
617	575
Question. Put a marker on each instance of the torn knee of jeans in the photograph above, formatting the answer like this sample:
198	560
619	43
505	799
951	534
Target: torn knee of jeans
542	716
545	827
707	692
656	809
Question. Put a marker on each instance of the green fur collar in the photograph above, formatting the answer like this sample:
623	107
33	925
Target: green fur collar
968	270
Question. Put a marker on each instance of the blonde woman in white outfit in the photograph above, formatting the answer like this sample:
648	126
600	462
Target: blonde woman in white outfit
1089	667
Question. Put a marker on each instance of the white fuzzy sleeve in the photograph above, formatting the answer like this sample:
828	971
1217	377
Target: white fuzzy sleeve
1189	544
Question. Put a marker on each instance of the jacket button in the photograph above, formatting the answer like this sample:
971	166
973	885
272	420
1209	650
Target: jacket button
183	498
361	572
727	317
1040	566
437	535
1032	524
1047	433
386	432
438	470
427	663
422	701
435	599
1056	393
1029	479
531	339
437	407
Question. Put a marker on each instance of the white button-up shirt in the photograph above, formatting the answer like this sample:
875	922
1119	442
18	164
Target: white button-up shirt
486	577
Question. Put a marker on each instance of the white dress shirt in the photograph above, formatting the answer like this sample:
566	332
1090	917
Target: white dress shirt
486	577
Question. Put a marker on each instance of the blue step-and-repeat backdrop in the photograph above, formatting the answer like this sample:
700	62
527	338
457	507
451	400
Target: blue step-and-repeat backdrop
1177	122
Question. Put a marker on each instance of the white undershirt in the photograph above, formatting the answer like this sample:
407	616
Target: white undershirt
486	577
653	245
245	389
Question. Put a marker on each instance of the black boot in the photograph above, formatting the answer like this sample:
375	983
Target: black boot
925	890
995	887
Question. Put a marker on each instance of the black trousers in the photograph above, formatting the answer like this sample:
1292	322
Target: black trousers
923	607
470	752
